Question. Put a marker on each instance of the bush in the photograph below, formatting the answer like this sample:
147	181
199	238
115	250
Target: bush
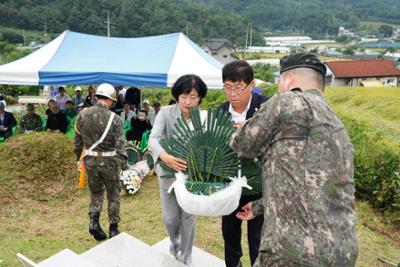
16	90
270	90
11	100
12	37
264	72
377	167
38	166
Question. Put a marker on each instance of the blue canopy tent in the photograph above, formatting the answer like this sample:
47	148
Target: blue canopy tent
82	59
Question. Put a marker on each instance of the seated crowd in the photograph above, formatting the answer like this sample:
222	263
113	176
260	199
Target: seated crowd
61	113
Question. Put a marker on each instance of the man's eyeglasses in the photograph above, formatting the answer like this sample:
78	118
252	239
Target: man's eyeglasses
235	88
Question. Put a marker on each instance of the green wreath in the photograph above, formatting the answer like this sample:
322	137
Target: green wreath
205	148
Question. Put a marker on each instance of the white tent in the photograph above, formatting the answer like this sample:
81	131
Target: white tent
78	59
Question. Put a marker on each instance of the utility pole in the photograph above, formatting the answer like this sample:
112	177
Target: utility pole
251	34
24	37
245	46
187	29
247	38
108	24
45	30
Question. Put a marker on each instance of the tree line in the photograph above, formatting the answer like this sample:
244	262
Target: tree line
129	18
318	17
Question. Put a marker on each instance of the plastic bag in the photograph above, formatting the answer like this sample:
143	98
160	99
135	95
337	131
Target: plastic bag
221	203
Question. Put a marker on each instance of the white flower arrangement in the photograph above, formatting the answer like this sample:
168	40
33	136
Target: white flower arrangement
133	177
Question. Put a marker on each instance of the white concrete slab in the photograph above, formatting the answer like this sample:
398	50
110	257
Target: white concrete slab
24	260
127	251
66	258
200	257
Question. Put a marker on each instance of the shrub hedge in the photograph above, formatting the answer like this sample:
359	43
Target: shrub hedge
377	167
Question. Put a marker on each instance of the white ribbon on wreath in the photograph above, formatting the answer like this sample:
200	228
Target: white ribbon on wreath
220	203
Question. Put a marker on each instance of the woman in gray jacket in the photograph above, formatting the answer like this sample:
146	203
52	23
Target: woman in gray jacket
188	91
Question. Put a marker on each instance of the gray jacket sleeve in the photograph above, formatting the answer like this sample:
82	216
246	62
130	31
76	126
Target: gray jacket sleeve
158	133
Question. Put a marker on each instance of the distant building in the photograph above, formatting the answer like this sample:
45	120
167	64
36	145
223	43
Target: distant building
293	41
332	52
369	40
362	73
269	49
344	32
221	49
396	34
393	56
367	54
278	40
273	62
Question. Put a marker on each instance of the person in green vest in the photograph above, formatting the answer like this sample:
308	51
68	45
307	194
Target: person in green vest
69	110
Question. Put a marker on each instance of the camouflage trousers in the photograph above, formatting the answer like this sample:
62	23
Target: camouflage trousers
103	177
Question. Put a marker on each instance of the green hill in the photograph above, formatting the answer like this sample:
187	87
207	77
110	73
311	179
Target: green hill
204	18
311	16
128	18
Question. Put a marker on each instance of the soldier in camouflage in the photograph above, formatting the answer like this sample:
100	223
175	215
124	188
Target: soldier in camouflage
30	122
307	173
104	163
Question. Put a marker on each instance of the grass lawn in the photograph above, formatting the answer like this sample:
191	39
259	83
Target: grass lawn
377	107
38	226
39	229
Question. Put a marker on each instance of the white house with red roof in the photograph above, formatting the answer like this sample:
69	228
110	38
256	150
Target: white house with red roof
368	73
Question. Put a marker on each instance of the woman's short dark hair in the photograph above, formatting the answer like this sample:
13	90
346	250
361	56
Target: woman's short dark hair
186	83
236	71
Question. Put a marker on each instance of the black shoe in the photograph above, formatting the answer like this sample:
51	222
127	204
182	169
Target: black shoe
114	230
95	228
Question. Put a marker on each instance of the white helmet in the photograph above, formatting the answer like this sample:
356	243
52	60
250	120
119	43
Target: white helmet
106	90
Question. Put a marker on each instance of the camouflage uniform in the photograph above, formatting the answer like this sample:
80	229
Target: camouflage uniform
308	186
103	172
30	123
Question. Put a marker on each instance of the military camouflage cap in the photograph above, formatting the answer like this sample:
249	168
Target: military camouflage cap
302	60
